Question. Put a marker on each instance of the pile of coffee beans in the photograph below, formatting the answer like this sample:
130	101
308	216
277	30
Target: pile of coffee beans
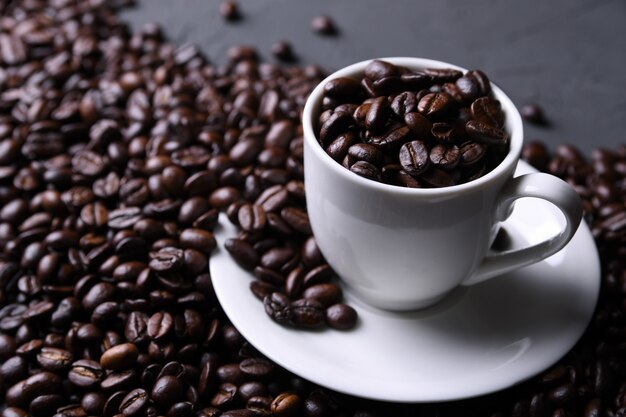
419	129
277	245
117	152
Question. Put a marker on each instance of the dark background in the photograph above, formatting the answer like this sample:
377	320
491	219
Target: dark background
568	56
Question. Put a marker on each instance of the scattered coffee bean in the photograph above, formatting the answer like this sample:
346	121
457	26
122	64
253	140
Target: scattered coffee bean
283	51
119	357
230	10
323	25
534	114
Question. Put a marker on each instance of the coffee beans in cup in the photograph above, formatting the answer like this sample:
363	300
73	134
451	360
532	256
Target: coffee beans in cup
413	128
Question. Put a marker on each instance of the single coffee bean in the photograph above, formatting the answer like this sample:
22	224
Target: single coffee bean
134	402
488	111
445	157
323	25
286	404
54	359
283	51
336	124
230	10
341	316
434	104
471	153
251	218
277	306
25	391
242	252
326	294
534	114
256	368
366	170
166	391
377	114
414	157
486	134
119	357
166	260
307	313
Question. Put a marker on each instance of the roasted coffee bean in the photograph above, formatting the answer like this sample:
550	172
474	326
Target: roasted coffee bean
85	373
434	104
251	218
262	289
160	325
534	114
486	134
25	391
378	69
134	402
242	252
343	88
377	115
414	157
277	306
445	157
53	359
488	111
286	404
471	153
223	196
318	275
323	25
166	391
404	103
307	313
338	148
327	293
268	275
256	368
230	10
337	123
341	316
119	357
198	239
392	139
366	170
168	259
283	51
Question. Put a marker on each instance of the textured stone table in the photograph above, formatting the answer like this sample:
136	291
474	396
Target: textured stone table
569	56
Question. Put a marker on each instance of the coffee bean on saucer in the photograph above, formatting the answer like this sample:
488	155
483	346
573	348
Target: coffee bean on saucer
341	316
278	307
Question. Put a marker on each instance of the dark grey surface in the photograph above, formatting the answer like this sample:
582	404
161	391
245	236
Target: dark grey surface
568	56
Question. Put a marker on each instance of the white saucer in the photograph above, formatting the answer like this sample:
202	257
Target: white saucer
479	340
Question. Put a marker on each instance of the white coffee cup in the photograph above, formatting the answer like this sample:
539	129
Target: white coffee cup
404	248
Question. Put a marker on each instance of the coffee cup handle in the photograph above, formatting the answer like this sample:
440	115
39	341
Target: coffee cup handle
545	187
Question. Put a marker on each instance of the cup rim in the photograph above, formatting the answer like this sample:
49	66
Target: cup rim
313	105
